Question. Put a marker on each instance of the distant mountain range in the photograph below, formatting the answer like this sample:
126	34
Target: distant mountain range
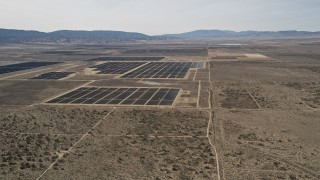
69	36
219	34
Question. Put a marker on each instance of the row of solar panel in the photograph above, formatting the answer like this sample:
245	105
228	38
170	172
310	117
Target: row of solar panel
163	70
24	66
117	67
134	58
53	75
119	96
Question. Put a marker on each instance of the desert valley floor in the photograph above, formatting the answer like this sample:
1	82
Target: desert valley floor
161	110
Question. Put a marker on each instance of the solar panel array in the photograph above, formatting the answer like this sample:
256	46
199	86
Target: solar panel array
53	75
24	66
135	58
119	96
163	70
117	67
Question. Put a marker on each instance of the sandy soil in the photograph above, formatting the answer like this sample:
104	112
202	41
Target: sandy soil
266	116
137	158
252	113
153	122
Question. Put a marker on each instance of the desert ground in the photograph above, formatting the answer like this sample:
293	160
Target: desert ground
251	112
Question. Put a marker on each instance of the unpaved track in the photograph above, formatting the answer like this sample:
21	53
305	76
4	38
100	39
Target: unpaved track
215	152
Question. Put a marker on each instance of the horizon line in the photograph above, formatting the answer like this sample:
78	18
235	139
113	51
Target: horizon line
157	34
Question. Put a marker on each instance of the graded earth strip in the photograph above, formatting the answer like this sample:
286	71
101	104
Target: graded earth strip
198	98
210	101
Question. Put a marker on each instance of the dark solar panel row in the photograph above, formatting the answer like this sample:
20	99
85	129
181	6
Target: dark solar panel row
119	96
24	66
53	75
135	58
117	67
163	70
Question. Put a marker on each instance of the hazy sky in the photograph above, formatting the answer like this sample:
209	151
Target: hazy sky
160	16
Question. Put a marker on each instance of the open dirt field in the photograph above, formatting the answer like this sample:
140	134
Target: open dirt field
252	112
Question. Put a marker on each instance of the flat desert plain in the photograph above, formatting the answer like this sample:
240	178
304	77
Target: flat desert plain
193	110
